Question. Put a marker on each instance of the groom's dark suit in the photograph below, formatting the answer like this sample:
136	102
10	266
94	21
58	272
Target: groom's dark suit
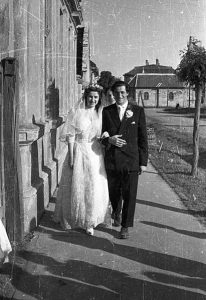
123	163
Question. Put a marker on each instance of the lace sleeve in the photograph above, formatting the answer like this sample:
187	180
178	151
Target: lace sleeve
67	134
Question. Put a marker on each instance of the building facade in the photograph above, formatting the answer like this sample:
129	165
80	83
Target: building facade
41	37
94	72
154	85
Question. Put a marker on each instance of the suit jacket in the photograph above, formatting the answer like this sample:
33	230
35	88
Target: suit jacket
133	130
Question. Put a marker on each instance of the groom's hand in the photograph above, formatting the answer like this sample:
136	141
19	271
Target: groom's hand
117	141
142	169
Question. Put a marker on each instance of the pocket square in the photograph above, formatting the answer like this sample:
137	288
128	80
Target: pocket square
133	123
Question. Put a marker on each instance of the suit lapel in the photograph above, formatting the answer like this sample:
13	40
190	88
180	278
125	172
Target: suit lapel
115	116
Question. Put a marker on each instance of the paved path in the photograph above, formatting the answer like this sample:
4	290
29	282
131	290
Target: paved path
181	122
165	258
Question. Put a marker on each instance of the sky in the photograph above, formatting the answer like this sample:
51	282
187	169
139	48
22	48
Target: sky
126	33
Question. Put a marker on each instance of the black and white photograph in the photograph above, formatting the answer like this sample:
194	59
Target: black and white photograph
102	149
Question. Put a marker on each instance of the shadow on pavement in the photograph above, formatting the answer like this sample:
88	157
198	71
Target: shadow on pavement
199	235
199	283
180	111
187	112
159	260
166	207
76	279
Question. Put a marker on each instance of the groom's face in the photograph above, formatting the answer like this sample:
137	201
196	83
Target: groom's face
120	95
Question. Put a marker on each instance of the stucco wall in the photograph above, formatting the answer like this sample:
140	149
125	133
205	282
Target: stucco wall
4	27
45	80
181	97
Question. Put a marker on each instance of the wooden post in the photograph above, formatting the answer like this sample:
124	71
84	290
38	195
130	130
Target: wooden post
12	186
142	100
2	192
157	97
189	94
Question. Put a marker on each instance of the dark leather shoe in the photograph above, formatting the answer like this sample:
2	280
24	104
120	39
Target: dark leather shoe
117	220
124	233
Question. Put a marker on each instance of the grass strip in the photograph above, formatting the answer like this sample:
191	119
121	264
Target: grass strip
170	152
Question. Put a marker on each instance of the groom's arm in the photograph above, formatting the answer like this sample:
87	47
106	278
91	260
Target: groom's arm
142	140
110	140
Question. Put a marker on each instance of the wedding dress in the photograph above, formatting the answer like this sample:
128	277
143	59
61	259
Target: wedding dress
5	246
83	198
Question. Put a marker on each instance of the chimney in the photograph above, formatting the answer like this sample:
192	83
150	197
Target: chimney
157	62
147	62
190	42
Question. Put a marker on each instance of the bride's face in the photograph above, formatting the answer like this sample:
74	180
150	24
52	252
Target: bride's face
92	99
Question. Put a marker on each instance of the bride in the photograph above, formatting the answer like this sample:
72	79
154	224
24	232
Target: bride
83	200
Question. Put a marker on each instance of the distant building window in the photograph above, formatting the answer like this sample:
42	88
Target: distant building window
146	96
171	96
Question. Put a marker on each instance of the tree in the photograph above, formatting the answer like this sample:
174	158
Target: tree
192	70
94	68
106	80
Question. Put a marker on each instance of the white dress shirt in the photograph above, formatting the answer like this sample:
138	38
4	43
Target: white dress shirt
121	110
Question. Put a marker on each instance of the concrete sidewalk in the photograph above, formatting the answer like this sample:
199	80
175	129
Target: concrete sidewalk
165	257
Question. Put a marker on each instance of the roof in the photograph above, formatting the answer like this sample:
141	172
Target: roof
152	81
148	69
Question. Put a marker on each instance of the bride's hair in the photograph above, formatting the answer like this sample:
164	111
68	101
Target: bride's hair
93	89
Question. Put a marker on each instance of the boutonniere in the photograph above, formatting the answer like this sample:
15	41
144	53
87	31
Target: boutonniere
129	113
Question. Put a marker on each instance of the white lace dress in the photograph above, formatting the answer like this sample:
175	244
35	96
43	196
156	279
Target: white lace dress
83	198
5	246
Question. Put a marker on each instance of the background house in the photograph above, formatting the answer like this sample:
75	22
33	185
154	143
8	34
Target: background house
154	85
39	83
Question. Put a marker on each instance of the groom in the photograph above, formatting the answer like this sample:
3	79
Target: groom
126	152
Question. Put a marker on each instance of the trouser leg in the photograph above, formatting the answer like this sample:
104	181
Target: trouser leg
119	205
114	185
129	182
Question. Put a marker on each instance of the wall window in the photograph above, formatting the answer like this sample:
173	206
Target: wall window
146	96
171	96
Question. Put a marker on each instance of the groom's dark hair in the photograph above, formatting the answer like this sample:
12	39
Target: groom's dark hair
120	83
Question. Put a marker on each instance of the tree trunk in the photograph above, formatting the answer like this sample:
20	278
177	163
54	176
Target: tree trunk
198	92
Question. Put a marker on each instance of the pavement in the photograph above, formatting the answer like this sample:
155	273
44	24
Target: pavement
164	258
177	119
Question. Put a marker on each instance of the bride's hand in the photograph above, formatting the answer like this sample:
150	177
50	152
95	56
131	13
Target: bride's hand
102	137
